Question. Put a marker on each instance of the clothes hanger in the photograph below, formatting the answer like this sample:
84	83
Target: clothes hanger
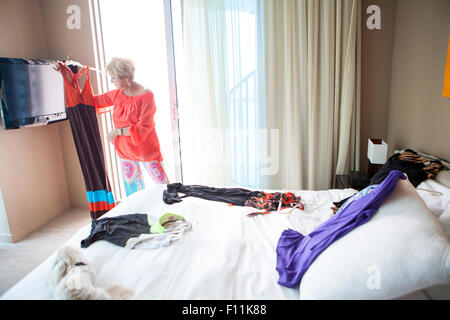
76	63
433	192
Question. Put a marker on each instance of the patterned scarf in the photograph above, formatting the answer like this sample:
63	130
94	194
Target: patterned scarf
431	168
271	202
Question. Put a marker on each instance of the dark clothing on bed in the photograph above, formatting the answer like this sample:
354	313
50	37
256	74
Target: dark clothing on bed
236	196
117	230
296	252
417	168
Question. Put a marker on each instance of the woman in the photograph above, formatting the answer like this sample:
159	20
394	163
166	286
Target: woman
134	136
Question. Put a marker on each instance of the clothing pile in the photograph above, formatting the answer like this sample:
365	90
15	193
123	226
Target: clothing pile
261	200
274	202
416	167
135	231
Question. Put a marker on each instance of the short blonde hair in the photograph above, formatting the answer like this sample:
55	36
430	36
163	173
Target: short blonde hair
121	68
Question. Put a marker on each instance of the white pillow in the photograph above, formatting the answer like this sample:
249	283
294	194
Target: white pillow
443	177
400	250
438	200
444	219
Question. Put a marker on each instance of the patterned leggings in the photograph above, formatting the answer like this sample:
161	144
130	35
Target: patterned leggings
133	178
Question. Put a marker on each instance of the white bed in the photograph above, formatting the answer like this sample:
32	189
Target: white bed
439	204
228	255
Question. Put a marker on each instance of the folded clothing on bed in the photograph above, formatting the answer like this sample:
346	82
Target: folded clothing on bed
296	252
133	230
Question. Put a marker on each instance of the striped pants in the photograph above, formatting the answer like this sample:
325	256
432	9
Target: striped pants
133	179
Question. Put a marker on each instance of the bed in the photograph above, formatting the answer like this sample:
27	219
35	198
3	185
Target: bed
403	249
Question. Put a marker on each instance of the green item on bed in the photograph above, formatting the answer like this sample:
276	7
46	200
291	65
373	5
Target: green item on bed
158	227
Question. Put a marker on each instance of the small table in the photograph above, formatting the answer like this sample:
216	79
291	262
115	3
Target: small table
356	180
342	181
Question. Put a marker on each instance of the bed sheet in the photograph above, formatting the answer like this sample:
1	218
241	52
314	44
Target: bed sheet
225	256
435	195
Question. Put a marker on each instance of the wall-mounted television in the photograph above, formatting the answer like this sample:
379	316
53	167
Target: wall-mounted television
31	93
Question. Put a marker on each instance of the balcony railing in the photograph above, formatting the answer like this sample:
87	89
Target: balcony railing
244	115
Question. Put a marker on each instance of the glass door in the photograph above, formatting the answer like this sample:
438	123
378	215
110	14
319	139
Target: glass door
142	31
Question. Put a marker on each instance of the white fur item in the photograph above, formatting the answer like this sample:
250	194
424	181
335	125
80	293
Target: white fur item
73	279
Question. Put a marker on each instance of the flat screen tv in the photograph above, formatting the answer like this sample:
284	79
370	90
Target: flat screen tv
31	93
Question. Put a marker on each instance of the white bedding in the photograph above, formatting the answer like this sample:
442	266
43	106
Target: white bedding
225	256
435	195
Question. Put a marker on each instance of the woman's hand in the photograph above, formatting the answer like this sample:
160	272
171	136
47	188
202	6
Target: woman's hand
56	65
64	74
118	132
112	135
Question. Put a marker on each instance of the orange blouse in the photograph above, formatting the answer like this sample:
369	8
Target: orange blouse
137	113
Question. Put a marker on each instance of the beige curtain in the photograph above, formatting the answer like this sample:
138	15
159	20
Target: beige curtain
305	128
311	66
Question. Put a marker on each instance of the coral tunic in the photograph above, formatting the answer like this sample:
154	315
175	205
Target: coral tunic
137	113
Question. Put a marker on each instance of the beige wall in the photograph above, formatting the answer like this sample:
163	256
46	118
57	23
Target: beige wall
32	177
5	232
376	66
35	192
419	116
22	33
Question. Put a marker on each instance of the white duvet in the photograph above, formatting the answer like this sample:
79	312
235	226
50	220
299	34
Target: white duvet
225	256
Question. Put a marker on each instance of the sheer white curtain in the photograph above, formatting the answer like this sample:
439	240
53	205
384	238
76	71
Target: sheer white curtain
218	110
311	88
299	124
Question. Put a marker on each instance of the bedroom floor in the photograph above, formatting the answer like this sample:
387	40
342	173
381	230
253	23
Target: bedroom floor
18	259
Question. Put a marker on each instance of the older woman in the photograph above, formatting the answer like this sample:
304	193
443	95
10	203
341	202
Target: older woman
134	135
